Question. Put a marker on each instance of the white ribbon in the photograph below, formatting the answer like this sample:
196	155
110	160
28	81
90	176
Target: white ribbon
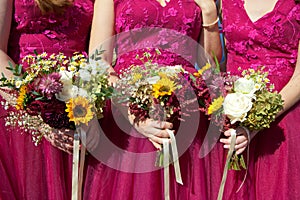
175	157
229	155
166	163
166	169
75	166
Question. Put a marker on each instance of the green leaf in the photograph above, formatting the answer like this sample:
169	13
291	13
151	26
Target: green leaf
39	98
217	63
36	93
19	69
242	162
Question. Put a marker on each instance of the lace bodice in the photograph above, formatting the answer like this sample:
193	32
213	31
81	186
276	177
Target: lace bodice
271	41
173	28
53	33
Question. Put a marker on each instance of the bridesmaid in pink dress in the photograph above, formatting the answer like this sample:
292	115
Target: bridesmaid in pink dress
170	26
28	171
269	36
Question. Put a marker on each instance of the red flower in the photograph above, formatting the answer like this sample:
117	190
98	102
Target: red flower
54	114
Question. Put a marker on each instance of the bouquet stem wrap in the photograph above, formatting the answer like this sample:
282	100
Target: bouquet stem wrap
166	163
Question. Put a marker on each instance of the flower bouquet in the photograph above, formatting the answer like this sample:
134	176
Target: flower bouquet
231	101
55	92
248	101
162	93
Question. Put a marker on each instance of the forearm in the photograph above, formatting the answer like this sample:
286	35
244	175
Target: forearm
4	60
210	37
291	91
102	30
5	22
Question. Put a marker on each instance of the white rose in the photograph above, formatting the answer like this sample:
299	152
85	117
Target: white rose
245	86
66	92
236	106
66	79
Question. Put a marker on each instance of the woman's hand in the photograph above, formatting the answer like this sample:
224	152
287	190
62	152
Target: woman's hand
154	130
62	139
242	139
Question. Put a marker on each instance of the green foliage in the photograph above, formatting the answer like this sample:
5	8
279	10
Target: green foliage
265	108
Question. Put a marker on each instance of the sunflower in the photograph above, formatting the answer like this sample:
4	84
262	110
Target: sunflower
163	87
79	110
216	105
21	98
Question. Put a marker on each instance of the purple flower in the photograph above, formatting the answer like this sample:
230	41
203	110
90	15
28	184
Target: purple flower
50	85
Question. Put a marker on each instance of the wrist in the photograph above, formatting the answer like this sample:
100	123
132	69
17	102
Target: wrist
209	20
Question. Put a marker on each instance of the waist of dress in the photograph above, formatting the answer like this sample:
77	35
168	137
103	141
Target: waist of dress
28	43
164	59
282	68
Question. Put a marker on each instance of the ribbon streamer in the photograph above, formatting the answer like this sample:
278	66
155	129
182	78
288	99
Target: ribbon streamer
229	155
166	163
248	155
175	157
75	166
166	169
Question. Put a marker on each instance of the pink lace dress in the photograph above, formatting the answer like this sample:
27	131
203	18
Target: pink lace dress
125	169
271	41
28	171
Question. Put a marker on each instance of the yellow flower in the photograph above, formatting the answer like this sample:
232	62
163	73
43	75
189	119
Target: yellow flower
266	80
136	77
44	55
21	98
61	56
52	56
162	75
73	66
216	105
18	84
79	110
65	62
203	69
163	87
252	71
